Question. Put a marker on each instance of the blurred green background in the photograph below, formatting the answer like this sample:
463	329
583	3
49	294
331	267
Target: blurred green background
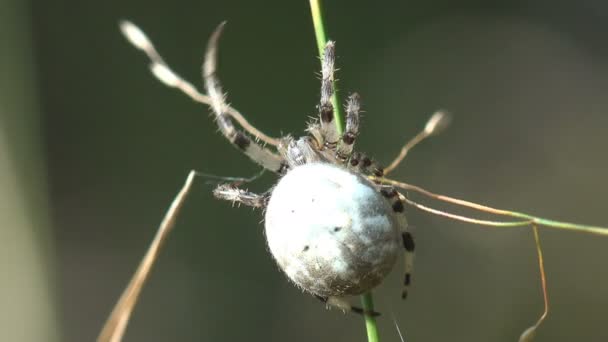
93	149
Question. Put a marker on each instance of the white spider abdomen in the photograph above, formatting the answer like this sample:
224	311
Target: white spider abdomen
331	231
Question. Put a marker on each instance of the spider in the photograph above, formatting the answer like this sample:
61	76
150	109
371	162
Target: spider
332	231
331	225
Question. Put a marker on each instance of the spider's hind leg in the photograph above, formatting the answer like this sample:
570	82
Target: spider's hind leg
344	305
239	139
394	198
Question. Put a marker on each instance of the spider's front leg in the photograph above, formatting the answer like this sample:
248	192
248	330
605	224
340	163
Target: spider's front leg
408	240
231	193
329	131
347	140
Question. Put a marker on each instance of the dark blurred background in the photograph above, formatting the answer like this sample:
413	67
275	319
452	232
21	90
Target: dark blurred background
93	149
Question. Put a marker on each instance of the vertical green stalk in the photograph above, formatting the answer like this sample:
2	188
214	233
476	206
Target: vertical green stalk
367	301
317	20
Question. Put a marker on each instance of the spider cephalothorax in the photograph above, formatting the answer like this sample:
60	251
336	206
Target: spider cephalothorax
331	225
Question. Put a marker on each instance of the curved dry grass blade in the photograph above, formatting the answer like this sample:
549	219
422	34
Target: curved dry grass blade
466	219
163	73
406	186
116	324
581	228
438	122
529	334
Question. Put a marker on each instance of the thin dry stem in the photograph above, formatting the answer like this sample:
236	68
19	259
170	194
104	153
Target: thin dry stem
435	125
163	73
529	334
444	198
116	324
464	218
526	219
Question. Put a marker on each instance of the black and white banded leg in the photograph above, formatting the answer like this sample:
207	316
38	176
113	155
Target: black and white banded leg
361	162
345	145
408	240
163	73
344	305
329	131
231	193
252	149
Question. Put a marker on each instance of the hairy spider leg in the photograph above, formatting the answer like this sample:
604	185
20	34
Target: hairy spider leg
231	193
347	141
408	240
163	73
360	162
259	154
329	131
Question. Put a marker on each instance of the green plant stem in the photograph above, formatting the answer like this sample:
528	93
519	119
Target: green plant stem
317	19
526	219
367	302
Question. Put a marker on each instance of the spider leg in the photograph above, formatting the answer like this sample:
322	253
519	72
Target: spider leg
163	73
252	149
329	131
408	241
231	193
360	162
345	145
344	305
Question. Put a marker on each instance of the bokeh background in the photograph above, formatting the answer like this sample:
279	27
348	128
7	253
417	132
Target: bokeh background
93	149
